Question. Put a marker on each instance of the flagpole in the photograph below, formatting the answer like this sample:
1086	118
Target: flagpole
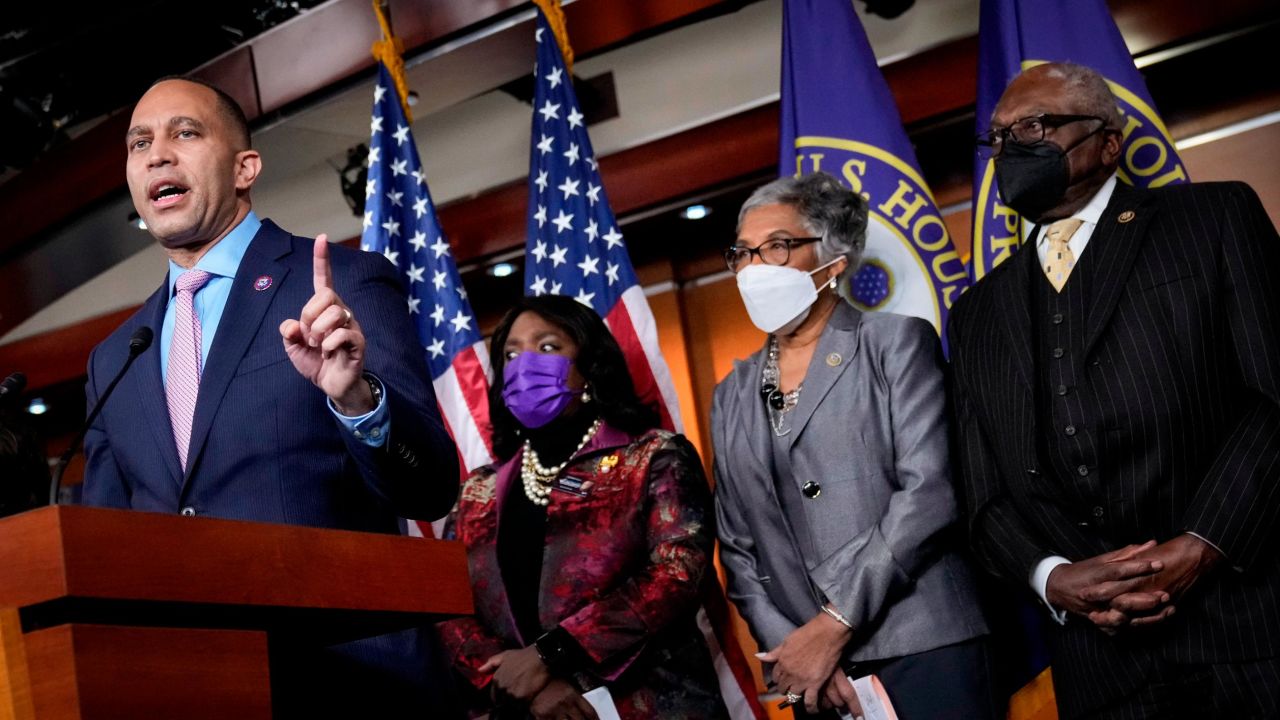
390	52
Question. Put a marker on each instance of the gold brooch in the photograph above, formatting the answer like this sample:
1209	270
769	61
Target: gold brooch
607	463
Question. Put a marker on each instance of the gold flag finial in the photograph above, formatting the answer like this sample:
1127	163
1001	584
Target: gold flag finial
555	18
389	51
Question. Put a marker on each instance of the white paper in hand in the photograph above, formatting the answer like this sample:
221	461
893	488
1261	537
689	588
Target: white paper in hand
875	701
602	702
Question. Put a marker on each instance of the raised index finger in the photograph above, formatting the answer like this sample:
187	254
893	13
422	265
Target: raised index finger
322	275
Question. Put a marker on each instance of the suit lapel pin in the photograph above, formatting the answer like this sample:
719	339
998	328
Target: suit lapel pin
608	462
834	359
1126	216
262	283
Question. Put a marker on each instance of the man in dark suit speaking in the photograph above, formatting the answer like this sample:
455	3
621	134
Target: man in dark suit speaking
1117	391
287	383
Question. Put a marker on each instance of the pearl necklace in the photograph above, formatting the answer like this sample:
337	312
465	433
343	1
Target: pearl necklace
538	479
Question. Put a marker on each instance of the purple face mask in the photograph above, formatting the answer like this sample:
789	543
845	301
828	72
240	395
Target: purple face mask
535	387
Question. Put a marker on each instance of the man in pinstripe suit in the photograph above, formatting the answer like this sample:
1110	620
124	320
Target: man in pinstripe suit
1117	395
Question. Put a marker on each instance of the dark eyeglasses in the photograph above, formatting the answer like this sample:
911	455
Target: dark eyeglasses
771	252
1029	130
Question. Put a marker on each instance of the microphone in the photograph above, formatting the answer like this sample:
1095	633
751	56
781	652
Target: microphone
12	387
138	343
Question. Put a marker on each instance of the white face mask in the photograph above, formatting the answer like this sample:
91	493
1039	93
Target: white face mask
778	298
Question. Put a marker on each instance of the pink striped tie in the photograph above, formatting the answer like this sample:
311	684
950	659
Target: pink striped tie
183	381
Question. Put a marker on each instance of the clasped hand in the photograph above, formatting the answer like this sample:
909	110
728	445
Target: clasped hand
521	676
806	663
326	344
1134	586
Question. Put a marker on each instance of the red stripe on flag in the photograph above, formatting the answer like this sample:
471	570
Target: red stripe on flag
619	322
474	382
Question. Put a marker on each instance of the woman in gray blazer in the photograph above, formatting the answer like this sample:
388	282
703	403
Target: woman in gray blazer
833	493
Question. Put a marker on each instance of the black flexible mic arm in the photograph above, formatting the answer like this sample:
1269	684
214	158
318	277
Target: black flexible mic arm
138	343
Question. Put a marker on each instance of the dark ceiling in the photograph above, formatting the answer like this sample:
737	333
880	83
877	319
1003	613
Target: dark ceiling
65	63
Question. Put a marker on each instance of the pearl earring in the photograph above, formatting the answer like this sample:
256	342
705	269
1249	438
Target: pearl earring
832	284
586	396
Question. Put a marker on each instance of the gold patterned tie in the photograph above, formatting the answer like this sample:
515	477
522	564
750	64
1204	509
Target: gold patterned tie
1059	260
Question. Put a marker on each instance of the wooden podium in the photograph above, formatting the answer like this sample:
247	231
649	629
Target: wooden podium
144	615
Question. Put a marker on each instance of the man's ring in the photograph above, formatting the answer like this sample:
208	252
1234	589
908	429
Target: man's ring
348	320
793	698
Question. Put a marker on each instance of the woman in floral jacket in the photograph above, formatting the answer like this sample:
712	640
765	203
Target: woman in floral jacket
589	542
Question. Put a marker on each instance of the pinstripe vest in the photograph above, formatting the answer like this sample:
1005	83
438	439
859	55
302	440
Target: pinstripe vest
1066	413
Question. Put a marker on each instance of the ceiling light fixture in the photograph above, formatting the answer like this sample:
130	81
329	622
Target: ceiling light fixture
695	212
502	269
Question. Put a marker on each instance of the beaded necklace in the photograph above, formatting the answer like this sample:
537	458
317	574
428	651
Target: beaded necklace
538	479
778	403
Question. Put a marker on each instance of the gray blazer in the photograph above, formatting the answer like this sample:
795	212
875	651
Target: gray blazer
878	541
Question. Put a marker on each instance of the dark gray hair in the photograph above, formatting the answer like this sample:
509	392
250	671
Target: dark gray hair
1087	89
827	208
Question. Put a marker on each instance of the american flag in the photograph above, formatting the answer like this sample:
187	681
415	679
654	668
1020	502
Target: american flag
574	248
400	222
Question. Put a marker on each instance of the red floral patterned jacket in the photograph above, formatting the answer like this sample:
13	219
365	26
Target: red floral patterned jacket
623	562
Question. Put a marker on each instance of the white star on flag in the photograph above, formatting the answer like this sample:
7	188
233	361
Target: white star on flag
563	221
460	322
415	273
557	256
613	238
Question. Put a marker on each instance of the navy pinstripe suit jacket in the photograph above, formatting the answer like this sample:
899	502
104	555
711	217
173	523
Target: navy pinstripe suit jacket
1181	378
264	444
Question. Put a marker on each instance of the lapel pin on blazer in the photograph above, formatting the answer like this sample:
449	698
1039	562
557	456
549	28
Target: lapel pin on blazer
262	283
834	359
1126	216
608	462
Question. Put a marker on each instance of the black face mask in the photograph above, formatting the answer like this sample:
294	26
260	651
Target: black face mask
1033	178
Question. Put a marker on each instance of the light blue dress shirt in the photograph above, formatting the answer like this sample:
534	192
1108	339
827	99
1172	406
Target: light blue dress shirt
222	261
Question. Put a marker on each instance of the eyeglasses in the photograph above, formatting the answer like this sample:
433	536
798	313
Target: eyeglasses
771	252
1029	130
